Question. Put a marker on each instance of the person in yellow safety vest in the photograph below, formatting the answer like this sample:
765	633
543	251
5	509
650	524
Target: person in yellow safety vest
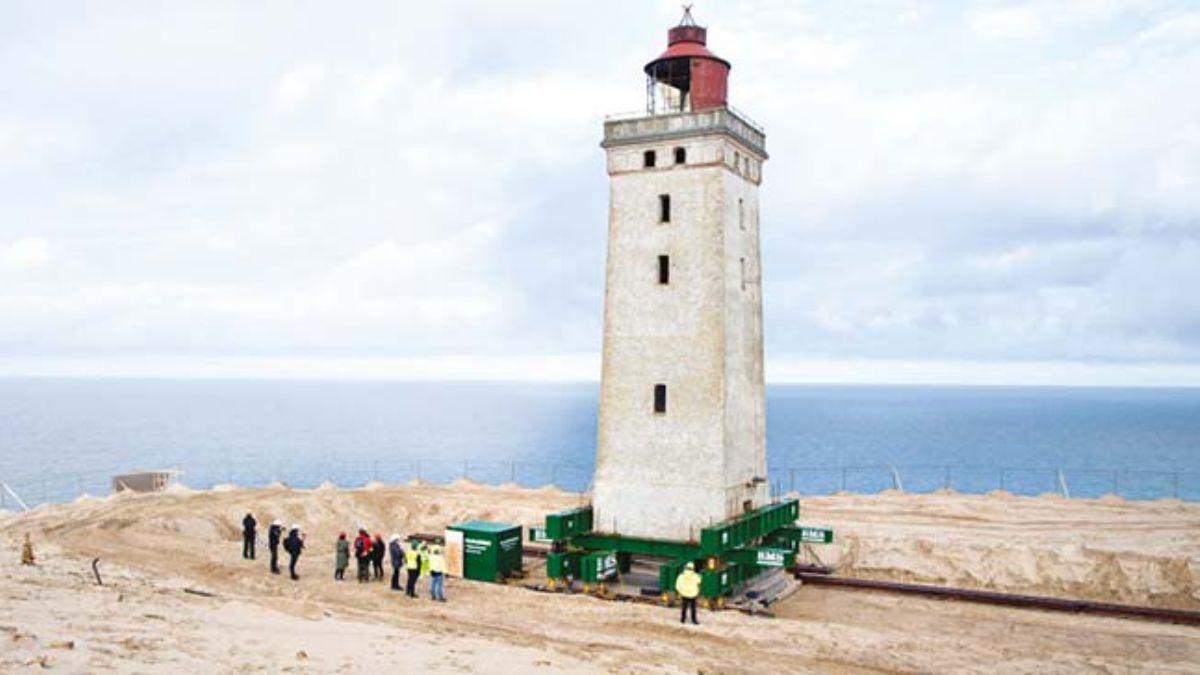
425	558
437	567
412	564
687	585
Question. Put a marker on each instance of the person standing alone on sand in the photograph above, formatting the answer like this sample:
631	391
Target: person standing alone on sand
248	535
412	563
378	550
362	555
687	585
342	557
274	536
396	552
294	544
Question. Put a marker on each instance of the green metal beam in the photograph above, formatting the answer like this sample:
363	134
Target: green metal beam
747	528
803	534
662	548
762	556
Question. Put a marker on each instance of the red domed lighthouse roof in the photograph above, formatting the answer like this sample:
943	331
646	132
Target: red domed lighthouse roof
688	66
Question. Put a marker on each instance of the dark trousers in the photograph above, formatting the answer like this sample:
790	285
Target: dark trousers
410	586
688	602
364	569
275	559
395	577
377	567
292	564
248	545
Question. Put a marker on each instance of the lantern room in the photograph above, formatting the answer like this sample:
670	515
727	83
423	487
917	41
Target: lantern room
687	77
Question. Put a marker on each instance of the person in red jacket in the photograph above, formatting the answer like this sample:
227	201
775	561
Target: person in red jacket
362	555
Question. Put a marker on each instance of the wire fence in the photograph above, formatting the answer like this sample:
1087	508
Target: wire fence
805	480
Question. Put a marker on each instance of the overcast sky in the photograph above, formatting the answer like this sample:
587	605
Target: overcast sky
957	191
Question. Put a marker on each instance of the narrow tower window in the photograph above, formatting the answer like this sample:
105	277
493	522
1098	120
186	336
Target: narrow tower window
660	399
743	263
680	155
664	208
648	159
741	213
664	270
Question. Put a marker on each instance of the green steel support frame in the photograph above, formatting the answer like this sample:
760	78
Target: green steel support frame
727	554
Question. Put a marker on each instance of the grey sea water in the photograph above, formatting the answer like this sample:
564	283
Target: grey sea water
63	437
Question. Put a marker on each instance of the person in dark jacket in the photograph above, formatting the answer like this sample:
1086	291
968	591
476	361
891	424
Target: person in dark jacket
274	536
294	544
362	555
378	550
342	552
248	535
396	552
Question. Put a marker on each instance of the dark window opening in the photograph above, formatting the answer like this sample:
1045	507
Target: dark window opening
743	262
648	159
660	398
680	155
747	506
664	208
664	270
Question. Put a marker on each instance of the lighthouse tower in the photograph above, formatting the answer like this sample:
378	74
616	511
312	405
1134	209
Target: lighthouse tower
682	414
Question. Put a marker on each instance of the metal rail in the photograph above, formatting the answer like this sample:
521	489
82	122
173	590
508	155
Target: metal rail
1180	616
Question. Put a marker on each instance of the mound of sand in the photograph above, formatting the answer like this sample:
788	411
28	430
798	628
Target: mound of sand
1110	550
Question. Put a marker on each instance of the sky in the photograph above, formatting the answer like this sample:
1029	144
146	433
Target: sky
977	192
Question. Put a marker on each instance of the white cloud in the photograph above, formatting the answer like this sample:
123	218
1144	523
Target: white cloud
216	184
1019	23
25	253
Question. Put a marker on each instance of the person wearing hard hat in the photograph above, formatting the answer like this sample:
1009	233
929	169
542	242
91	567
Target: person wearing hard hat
274	536
412	563
687	585
437	568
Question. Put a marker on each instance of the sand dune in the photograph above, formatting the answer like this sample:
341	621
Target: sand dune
152	547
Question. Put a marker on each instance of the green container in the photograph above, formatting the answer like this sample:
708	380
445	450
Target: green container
566	524
491	551
560	565
598	566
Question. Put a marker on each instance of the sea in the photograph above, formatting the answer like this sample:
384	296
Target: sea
60	438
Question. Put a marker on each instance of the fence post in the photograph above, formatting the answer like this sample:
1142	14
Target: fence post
946	481
1062	484
791	480
418	463
1175	492
896	482
512	472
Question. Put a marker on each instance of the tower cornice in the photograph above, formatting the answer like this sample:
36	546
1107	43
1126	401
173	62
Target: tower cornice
641	129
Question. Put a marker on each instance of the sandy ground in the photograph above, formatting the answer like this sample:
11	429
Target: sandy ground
152	547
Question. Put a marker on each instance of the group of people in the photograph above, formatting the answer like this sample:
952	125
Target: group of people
419	558
293	543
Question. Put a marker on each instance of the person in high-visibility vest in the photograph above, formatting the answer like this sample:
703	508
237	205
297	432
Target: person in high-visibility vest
412	564
437	568
687	585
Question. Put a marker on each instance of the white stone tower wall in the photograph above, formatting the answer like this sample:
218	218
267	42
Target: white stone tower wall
667	475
